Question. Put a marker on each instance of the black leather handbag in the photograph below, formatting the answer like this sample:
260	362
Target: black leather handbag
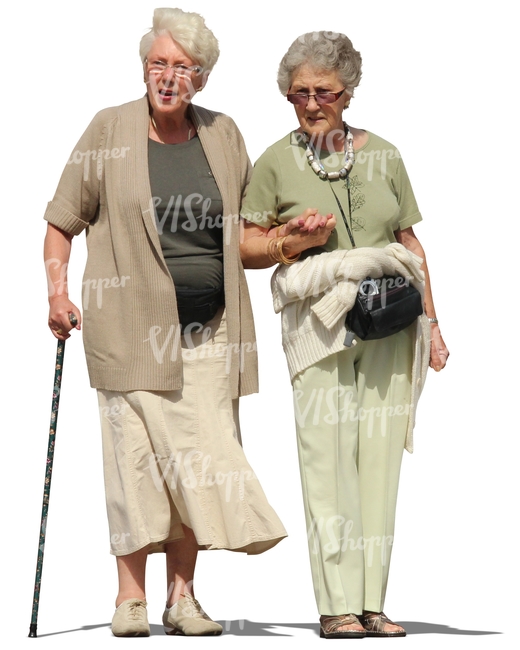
384	306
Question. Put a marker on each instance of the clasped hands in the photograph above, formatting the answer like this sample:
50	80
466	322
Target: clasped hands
308	230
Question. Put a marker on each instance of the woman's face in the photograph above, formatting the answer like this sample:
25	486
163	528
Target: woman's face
170	89
318	120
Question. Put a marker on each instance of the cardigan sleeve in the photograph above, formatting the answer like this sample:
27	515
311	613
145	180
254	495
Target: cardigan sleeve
76	200
246	168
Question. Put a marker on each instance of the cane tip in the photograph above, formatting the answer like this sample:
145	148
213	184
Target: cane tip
32	631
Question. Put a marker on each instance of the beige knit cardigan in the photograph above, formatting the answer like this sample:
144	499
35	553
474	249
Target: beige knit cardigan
131	327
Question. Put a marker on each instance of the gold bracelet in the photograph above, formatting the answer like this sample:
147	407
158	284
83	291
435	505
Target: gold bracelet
271	253
280	241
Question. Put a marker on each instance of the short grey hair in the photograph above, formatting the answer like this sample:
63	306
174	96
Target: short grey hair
329	51
189	30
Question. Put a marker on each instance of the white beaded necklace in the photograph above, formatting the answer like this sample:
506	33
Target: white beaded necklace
315	162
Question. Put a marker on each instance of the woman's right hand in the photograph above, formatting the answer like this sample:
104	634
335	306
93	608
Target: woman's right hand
308	230
60	310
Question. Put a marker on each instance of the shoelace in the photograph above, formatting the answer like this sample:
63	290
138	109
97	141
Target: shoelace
137	609
191	607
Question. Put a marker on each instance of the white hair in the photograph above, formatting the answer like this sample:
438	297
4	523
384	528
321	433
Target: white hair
189	30
329	51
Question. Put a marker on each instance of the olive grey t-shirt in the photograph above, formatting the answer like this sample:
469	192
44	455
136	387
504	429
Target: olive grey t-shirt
283	185
188	213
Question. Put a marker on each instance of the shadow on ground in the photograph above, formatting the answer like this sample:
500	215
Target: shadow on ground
243	627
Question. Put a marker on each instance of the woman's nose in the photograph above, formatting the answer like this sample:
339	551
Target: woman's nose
169	76
312	104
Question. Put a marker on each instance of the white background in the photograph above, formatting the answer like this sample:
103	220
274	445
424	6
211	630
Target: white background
439	81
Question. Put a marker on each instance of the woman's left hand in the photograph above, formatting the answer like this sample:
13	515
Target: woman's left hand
438	351
308	222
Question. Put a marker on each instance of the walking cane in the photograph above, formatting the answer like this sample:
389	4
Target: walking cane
48	475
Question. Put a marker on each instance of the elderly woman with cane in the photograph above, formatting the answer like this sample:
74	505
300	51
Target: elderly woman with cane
168	329
332	205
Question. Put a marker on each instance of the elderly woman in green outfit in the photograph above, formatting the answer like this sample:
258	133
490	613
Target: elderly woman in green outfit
169	335
313	195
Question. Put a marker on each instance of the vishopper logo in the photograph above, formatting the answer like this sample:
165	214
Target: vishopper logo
113	413
99	155
332	535
59	285
369	158
117	539
376	290
195	468
195	348
99	285
339	405
174	86
335	159
229	623
331	36
200	220
262	219
322	280
194	220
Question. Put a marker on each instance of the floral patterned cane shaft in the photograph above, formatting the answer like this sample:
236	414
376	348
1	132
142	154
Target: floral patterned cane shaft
48	476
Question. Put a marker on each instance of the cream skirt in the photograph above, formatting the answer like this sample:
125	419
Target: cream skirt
174	457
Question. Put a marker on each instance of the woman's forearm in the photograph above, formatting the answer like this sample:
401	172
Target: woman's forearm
56	254
254	252
438	352
259	251
410	241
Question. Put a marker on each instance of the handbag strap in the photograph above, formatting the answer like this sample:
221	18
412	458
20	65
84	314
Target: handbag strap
349	231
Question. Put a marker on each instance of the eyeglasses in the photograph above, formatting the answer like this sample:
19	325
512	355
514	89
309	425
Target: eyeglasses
158	68
302	99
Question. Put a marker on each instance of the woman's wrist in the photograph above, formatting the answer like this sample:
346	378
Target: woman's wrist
63	295
276	252
276	231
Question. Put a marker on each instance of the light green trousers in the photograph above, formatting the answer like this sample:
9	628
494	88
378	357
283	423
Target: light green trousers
351	412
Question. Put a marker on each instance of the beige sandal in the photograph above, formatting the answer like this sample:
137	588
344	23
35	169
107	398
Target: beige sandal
375	624
329	627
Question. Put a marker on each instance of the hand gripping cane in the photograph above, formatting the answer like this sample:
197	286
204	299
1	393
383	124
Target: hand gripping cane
48	475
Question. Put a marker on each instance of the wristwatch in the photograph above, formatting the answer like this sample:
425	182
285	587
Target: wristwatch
433	321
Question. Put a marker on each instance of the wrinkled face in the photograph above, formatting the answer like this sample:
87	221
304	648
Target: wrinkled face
172	78
318	120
